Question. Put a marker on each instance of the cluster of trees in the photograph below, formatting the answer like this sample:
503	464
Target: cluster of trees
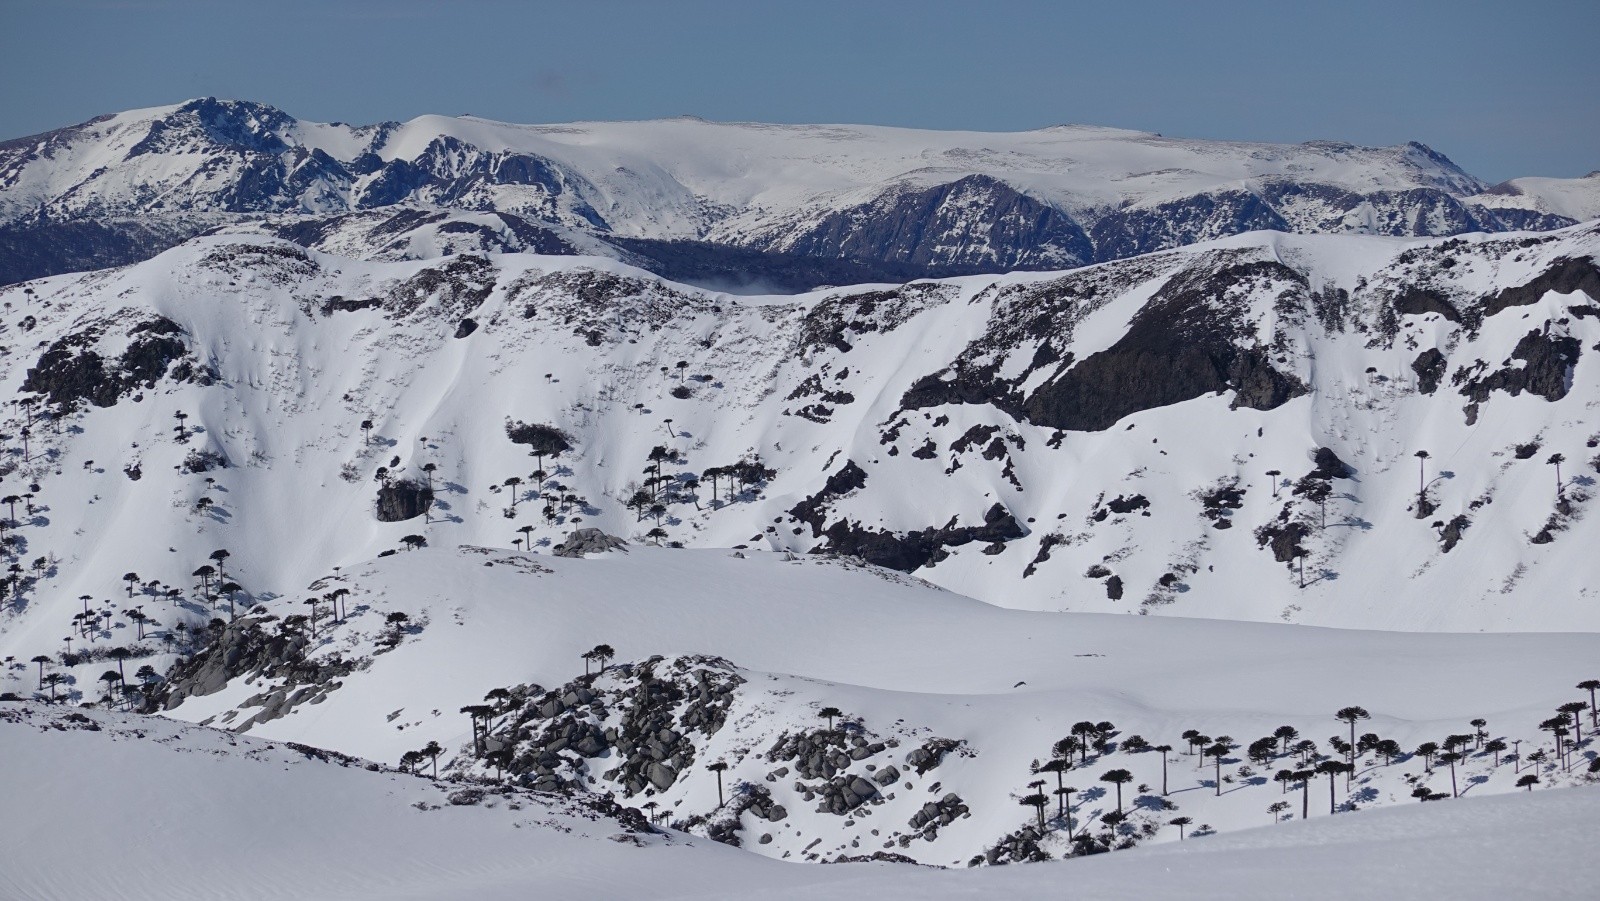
410	760
1306	762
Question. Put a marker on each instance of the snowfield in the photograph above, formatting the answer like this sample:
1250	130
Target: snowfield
160	810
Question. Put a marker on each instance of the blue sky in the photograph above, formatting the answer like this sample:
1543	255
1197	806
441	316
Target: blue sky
1504	89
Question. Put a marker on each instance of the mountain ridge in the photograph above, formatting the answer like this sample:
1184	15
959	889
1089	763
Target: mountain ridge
867	197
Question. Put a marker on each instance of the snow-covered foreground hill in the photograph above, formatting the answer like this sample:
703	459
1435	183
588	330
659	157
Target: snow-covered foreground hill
945	706
103	805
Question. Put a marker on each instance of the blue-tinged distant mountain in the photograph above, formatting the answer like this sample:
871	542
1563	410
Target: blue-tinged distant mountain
783	206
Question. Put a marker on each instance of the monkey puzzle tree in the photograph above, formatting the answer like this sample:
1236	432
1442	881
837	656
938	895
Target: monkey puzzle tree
1332	769
1219	750
1451	758
120	655
1037	800
1066	747
719	768
1422	474
1181	822
1572	709
1059	766
1119	778
1284	735
830	713
1556	460
1591	686
1528	782
432	750
1495	746
1351	715
1426	750
1164	749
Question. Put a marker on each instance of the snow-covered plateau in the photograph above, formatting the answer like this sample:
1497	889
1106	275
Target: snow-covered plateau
444	574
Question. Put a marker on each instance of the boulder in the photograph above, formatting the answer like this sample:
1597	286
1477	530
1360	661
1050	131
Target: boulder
589	541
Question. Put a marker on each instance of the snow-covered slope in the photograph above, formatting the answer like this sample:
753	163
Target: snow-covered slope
326	500
245	818
1144	436
885	199
1574	198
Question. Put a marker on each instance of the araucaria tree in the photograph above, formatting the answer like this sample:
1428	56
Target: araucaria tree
1119	778
830	713
1219	750
1332	769
719	767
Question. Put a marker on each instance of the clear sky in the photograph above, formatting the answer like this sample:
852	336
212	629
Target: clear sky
1503	88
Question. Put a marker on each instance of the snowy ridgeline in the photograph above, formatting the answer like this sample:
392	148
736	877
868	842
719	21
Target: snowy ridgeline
741	204
879	717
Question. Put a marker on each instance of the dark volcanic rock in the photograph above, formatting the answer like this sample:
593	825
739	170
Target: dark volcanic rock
1179	347
71	370
1429	367
1548	359
1420	301
403	499
1564	277
913	550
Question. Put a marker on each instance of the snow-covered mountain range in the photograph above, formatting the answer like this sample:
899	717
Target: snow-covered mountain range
710	202
412	457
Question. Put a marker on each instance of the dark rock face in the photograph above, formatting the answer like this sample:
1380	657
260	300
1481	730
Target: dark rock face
542	439
1451	534
1284	539
978	222
814	509
1419	301
1429	367
1548	360
725	267
1138	230
252	645
402	499
1179	347
453	289
1329	466
914	550
660	705
71	371
1564	277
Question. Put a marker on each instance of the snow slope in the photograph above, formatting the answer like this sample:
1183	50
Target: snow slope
1064	460
293	826
906	663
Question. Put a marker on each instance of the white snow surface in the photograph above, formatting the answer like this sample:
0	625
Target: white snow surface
158	810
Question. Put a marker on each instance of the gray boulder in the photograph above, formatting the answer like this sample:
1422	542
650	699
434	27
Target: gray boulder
589	541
